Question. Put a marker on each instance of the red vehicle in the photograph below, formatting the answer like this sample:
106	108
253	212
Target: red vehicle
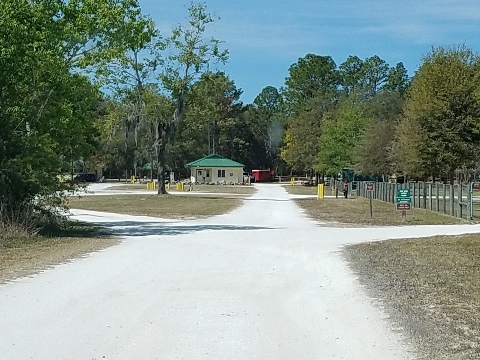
263	175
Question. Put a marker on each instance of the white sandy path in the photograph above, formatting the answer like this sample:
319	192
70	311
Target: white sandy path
262	282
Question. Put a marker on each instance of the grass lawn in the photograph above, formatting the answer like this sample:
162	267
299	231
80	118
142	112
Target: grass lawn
357	211
430	288
304	190
28	255
164	206
225	189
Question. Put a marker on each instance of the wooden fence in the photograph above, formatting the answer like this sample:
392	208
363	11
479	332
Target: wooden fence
455	200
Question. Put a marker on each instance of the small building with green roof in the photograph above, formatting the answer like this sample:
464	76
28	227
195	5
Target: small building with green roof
216	169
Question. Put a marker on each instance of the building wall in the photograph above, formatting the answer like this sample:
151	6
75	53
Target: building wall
205	176
232	175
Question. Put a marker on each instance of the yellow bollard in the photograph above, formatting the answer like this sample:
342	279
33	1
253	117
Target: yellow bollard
321	191
168	186
292	181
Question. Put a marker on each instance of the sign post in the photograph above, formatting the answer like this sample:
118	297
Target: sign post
403	201
369	188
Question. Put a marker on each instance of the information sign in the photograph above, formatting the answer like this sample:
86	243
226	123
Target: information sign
403	196
402	206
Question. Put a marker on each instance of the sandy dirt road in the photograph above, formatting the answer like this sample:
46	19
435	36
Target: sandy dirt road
262	282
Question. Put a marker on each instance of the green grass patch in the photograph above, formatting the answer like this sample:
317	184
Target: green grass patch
430	287
303	190
164	206
356	211
224	189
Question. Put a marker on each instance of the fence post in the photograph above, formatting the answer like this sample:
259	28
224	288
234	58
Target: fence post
430	188
424	202
459	201
419	196
470	201
444	198
413	195
452	199
438	198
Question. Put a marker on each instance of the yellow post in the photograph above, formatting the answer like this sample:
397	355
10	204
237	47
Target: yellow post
292	181
321	191
168	186
132	179
148	186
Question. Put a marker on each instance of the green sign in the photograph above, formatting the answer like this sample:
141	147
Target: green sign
403	193
403	196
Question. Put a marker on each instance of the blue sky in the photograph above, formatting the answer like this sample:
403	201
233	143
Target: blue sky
265	37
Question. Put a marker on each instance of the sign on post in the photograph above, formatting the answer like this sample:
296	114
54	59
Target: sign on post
369	186
403	201
403	196
403	206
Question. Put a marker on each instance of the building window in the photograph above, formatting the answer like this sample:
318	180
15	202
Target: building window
208	173
221	173
231	174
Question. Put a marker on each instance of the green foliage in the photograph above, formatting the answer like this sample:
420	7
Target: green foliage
268	123
375	73
341	132
301	144
440	129
351	74
376	152
310	76
47	108
189	53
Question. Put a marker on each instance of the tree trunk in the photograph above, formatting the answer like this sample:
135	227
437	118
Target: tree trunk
161	170
160	147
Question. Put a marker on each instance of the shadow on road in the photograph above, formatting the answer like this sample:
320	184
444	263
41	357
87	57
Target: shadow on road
141	228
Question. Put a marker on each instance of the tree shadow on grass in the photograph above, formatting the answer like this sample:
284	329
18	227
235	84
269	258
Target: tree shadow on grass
70	228
142	228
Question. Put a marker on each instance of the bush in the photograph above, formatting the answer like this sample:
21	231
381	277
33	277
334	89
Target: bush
29	218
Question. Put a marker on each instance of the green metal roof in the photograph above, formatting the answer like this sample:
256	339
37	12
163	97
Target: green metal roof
216	161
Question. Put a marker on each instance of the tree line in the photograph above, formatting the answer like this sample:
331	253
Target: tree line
373	118
96	82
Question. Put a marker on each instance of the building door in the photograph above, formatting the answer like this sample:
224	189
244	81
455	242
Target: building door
200	176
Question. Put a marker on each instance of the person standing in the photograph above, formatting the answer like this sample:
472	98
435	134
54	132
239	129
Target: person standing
345	189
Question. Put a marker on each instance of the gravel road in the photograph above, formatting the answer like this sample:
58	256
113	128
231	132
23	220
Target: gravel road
263	282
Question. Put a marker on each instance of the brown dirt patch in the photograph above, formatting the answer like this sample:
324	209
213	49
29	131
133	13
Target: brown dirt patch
430	288
29	255
356	211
